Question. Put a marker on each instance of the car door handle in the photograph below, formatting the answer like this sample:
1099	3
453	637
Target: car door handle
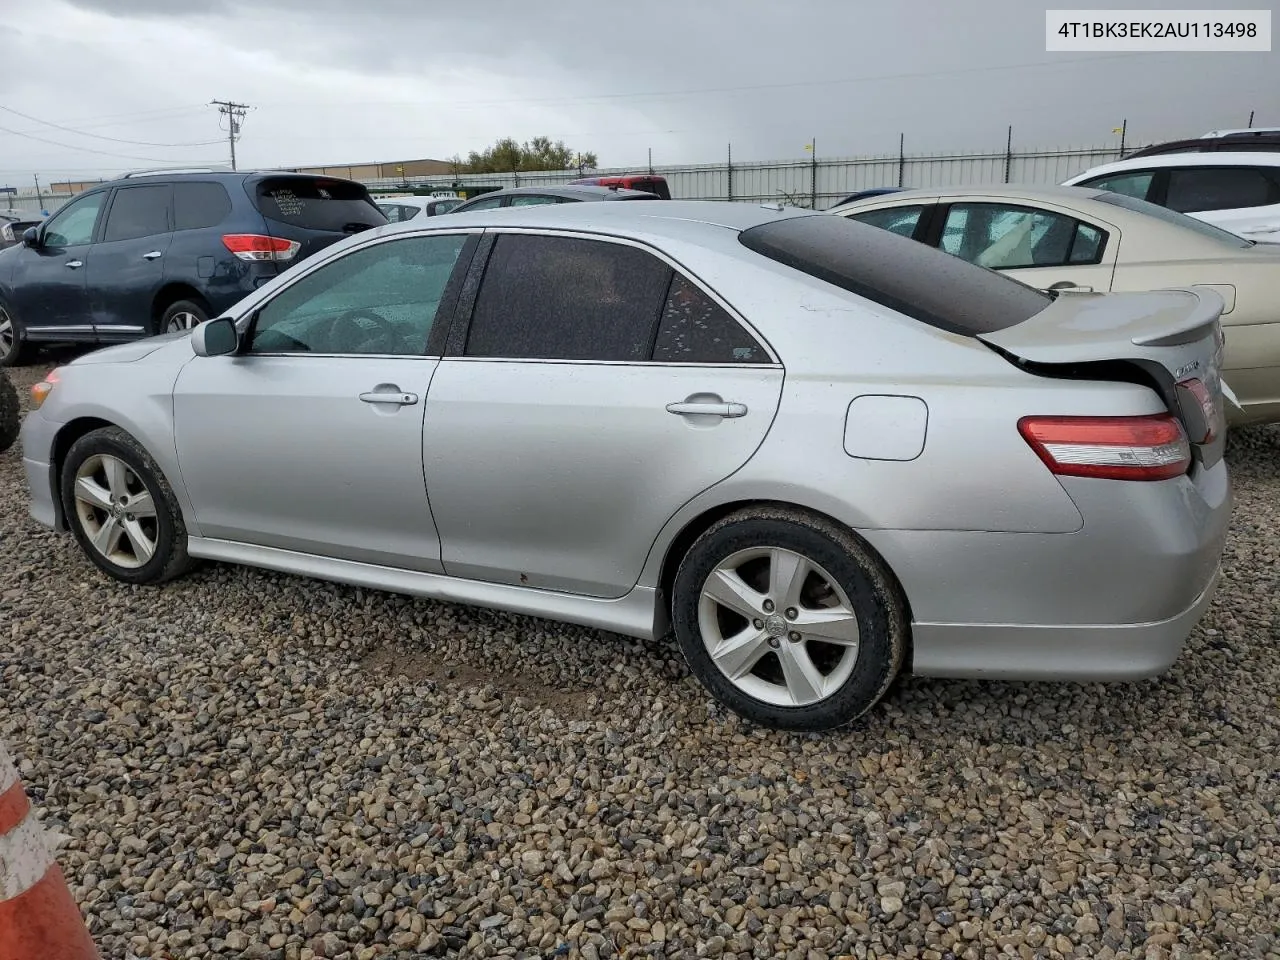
703	409
387	396
1068	285
75	264
154	254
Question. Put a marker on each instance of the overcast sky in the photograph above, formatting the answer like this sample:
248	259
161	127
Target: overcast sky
342	81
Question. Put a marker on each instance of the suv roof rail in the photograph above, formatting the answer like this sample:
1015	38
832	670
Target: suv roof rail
157	171
1240	132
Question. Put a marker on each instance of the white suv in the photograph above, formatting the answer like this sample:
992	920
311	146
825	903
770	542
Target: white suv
1239	192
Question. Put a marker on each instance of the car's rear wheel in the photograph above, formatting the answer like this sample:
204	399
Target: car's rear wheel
14	350
122	510
183	315
788	620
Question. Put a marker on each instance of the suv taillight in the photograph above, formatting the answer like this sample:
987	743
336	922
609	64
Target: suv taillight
256	246
1112	448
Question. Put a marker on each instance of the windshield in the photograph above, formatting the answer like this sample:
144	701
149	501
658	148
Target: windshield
1172	216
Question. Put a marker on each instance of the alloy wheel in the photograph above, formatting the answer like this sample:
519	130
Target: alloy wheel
6	334
184	320
116	511
778	626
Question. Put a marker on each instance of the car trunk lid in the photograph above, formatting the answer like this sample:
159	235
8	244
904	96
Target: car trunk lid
1171	340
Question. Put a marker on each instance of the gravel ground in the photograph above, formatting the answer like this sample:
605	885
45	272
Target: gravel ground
249	764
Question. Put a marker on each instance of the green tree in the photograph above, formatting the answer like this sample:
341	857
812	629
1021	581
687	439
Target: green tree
540	153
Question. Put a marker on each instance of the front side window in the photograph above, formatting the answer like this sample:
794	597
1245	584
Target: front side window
73	224
1135	184
138	212
1197	189
381	299
532	200
1007	237
899	220
564	298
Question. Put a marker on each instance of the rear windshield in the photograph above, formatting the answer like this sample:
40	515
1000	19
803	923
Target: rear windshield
904	275
1174	217
339	206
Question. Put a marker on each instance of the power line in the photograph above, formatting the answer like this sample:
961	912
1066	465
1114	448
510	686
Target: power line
68	146
99	136
234	112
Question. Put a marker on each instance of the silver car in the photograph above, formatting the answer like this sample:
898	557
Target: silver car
820	453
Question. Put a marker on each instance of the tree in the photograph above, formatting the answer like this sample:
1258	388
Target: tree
539	153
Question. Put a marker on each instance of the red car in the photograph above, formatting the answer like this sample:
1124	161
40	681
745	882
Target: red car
647	182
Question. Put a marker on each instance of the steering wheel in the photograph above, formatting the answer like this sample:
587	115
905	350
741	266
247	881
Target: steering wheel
364	329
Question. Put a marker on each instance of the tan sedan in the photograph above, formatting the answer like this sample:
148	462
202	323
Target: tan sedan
1080	239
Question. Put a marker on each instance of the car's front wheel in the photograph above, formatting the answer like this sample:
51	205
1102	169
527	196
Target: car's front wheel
122	510
14	349
789	620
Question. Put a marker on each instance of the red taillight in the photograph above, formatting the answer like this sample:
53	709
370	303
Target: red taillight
256	246
1111	448
1204	400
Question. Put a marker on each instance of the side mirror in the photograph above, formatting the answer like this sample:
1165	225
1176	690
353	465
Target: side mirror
215	338
31	237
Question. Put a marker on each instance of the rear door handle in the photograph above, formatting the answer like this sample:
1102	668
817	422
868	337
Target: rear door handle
708	409
390	396
154	254
75	264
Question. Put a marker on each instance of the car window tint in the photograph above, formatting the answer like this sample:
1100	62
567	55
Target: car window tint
1135	184
1195	189
564	298
408	213
1087	246
138	212
391	211
487	204
532	200
1007	237
696	329
378	300
73	224
444	206
899	220
317	203
197	205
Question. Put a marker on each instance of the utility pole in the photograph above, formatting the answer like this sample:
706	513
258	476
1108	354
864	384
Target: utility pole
39	195
234	112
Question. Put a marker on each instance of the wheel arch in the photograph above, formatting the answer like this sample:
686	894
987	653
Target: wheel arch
171	293
693	528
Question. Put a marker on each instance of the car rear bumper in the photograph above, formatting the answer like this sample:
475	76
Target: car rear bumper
1115	600
1043	652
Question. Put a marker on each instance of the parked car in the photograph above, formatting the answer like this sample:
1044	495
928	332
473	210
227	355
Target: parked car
1093	240
648	182
13	224
10	412
161	251
823	453
1239	192
400	208
1253	138
537	196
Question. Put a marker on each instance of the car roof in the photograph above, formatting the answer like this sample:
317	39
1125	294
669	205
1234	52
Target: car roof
1220	158
1011	190
665	218
581	190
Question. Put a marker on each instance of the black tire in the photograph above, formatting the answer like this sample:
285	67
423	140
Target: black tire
169	558
10	413
874	597
177	313
15	351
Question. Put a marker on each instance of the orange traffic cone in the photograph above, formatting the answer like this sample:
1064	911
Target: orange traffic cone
38	918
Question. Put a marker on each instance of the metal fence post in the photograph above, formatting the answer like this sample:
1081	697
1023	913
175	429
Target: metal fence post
729	171
813	178
1008	154
902	157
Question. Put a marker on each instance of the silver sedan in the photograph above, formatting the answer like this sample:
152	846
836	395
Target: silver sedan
821	454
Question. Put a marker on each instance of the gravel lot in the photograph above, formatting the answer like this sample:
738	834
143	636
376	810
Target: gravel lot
250	764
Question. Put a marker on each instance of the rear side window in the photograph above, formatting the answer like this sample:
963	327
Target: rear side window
1134	184
1195	189
696	329
197	205
899	220
564	298
337	206
912	278
138	212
